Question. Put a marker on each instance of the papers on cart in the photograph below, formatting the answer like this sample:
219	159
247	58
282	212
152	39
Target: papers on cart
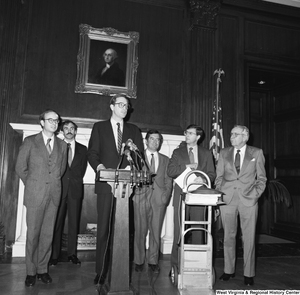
180	179
204	196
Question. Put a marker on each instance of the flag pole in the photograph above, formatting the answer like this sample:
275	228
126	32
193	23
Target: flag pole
219	72
217	137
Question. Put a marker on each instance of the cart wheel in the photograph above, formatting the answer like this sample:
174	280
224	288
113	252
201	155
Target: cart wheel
174	276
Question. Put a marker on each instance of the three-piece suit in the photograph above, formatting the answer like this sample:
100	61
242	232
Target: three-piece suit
150	204
41	174
102	150
241	193
71	201
177	165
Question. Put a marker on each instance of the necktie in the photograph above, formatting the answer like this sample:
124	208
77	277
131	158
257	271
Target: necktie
191	156
69	155
119	138
48	147
152	164
237	161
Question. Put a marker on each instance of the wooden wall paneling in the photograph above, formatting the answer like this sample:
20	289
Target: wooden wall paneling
9	141
287	159
261	39
230	54
50	64
203	86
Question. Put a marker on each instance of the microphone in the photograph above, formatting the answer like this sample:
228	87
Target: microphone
131	145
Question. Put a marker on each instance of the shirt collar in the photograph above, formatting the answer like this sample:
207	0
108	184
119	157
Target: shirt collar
114	122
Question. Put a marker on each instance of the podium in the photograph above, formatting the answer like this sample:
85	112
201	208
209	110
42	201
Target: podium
122	182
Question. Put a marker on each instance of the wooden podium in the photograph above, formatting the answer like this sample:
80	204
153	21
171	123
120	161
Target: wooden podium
122	182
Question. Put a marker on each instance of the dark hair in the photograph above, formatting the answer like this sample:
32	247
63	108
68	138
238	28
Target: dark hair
154	131
114	98
42	115
67	122
199	130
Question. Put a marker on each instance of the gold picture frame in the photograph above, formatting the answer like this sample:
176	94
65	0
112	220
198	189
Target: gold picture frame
93	74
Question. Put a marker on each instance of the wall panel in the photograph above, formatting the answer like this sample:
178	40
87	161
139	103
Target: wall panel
52	46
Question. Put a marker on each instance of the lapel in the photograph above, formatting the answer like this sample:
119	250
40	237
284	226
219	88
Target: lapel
110	135
247	158
185	155
41	144
76	155
55	151
230	159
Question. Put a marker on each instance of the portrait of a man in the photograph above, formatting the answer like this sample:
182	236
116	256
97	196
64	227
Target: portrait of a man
110	73
107	63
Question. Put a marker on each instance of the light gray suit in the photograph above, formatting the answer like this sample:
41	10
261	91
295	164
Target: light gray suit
149	211
241	193
41	174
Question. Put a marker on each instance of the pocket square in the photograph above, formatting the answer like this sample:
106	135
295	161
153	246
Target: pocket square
253	160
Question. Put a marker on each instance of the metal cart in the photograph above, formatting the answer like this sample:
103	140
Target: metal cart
195	269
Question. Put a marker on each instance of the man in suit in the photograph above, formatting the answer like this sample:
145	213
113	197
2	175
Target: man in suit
110	74
150	204
241	176
72	193
41	163
104	152
189	154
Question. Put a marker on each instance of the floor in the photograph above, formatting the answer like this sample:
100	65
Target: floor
278	268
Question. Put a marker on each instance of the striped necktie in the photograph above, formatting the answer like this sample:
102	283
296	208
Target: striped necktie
119	138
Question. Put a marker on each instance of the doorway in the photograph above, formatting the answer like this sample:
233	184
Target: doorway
273	107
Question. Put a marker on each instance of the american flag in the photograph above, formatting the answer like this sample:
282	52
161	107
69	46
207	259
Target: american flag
217	141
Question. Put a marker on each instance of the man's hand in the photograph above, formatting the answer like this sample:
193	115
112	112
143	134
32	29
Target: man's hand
192	166
100	167
199	180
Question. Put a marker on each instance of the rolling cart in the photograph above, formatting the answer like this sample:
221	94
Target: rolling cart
195	269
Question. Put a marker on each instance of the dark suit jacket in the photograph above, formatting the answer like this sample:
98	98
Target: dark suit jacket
36	169
180	158
102	148
113	76
72	181
249	183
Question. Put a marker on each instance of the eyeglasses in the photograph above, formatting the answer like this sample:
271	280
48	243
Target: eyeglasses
189	133
122	105
154	139
236	134
53	121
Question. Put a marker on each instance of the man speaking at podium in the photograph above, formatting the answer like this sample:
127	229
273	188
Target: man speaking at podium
104	152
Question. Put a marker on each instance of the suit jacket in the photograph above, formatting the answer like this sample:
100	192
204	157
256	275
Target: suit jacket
113	76
72	180
37	169
161	188
180	158
102	148
249	183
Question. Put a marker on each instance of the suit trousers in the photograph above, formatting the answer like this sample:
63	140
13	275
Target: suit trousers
105	210
147	216
40	225
72	207
248	218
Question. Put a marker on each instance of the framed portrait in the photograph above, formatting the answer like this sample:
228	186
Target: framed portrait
107	61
